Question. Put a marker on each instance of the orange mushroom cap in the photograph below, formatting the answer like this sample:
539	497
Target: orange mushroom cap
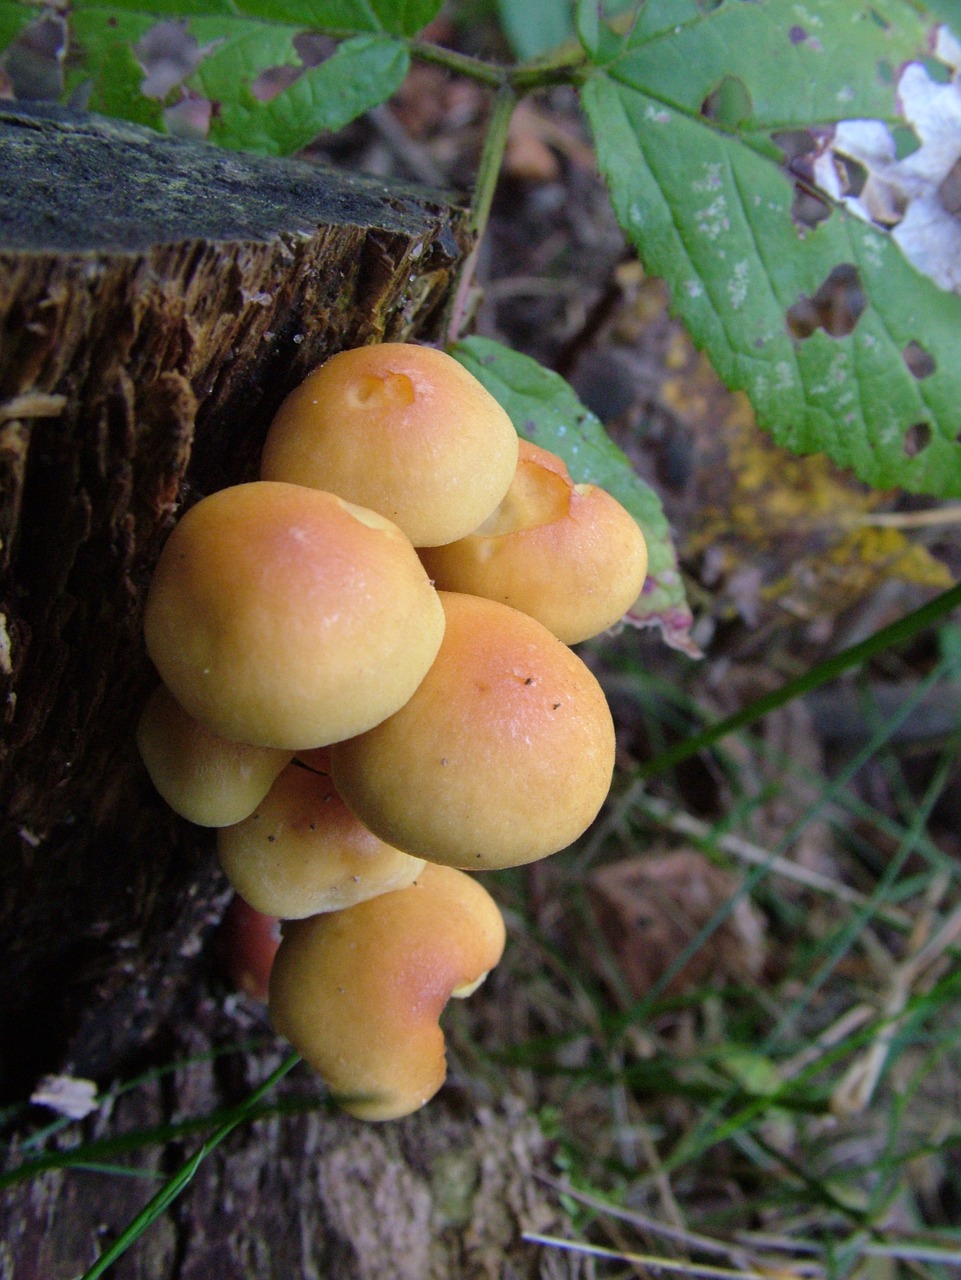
568	554
302	851
359	992
285	617
503	755
207	779
402	429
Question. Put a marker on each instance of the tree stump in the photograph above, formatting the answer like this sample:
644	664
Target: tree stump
158	298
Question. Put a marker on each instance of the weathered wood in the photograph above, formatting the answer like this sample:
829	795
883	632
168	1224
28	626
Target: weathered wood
445	1194
157	300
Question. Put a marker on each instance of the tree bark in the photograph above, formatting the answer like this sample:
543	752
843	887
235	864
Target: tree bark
158	299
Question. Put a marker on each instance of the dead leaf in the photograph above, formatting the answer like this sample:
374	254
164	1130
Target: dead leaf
67	1095
912	195
650	908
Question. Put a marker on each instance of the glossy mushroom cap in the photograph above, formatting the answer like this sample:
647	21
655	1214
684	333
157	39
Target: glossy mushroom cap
567	554
502	756
285	617
402	429
302	851
208	779
359	992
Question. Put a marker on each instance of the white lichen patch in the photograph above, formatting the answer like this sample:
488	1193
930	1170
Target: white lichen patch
657	115
783	376
838	370
694	288
737	284
712	177
713	221
806	17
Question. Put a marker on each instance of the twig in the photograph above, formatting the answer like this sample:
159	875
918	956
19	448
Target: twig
949	514
32	404
687	825
677	1234
650	1261
856	1089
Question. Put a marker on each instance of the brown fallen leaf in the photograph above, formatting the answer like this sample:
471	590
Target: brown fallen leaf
650	908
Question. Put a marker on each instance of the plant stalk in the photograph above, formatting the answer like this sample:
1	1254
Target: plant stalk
488	172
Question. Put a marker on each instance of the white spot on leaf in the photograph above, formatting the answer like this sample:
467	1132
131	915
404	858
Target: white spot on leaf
712	177
737	284
713	221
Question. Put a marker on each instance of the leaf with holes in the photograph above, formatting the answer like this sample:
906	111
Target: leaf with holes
796	64
242	58
544	409
104	66
842	346
362	73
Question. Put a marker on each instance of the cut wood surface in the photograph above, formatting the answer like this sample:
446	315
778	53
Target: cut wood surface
158	298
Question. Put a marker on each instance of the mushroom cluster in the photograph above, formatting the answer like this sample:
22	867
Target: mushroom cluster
367	686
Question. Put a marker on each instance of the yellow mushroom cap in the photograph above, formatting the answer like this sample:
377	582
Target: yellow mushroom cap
302	851
208	779
359	992
285	617
402	429
568	554
502	756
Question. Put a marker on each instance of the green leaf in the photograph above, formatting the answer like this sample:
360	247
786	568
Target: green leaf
534	27
406	17
362	72
13	19
822	61
710	212
343	17
587	22
544	409
600	39
102	57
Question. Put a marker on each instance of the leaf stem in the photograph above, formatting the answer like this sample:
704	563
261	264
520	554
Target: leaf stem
462	64
561	67
488	172
492	157
184	1175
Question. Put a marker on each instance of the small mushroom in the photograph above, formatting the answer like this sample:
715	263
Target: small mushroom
503	755
402	429
285	617
205	778
302	851
568	554
359	992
